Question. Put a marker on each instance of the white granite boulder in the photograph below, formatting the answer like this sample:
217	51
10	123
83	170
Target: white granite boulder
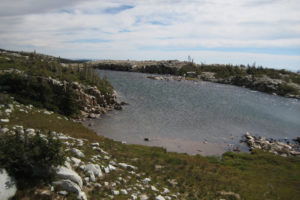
93	170
69	174
68	185
159	197
77	152
8	186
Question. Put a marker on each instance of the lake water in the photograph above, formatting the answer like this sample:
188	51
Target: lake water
194	117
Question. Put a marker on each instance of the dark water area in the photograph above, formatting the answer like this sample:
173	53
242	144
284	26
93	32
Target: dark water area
194	117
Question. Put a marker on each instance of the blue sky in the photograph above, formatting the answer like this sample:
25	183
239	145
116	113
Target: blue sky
266	32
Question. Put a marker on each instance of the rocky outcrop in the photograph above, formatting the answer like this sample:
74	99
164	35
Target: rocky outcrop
279	148
91	102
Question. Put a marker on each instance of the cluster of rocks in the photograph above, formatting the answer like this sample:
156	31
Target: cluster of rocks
85	172
92	103
270	145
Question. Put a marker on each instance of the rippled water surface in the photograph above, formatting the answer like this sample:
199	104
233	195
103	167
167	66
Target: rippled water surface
181	115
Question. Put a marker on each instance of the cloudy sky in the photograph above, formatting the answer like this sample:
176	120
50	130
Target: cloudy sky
210	31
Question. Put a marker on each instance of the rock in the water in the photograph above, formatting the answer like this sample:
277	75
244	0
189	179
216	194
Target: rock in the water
68	185
4	120
69	174
92	116
8	186
118	107
123	103
297	140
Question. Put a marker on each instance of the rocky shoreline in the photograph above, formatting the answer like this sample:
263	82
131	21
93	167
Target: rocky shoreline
270	145
262	84
282	86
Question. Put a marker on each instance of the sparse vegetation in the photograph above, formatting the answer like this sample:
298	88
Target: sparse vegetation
46	66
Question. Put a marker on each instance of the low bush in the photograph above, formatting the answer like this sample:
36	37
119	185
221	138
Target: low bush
30	159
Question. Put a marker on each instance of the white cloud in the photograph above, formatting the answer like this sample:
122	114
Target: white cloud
157	29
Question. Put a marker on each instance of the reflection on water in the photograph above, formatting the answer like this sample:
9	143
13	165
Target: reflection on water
172	111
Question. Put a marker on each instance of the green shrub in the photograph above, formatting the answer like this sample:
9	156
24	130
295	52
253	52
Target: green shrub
29	159
286	89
